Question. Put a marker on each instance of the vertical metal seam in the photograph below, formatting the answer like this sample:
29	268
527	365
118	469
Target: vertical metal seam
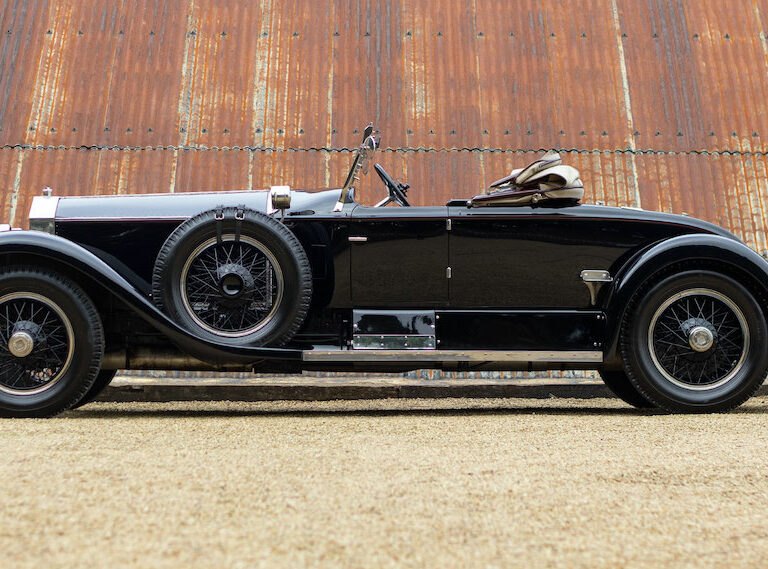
329	95
627	99
16	185
250	169
761	244
479	84
760	236
110	75
174	166
185	95
33	119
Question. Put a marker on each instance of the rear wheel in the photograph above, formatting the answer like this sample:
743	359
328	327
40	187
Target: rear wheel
51	343
696	342
620	385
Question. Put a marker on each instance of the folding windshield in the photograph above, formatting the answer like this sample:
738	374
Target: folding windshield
363	155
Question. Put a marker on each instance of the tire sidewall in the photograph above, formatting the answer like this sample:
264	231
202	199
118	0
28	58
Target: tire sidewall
183	242
102	380
88	346
619	384
656	387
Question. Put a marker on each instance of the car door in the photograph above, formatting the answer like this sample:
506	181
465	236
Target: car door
524	257
399	256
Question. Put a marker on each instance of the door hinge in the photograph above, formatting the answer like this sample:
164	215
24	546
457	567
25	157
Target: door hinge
447	272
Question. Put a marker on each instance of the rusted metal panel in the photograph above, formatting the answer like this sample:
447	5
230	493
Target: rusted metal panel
21	42
549	75
698	73
366	72
189	95
108	74
729	190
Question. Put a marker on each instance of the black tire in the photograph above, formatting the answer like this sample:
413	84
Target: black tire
51	343
620	385
103	379
261	298
696	343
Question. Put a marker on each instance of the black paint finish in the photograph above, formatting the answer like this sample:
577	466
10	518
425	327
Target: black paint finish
514	280
404	260
533	257
523	330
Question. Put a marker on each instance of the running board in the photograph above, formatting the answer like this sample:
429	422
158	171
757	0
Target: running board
451	356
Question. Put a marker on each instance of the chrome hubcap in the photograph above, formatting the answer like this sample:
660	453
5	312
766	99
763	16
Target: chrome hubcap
21	344
701	339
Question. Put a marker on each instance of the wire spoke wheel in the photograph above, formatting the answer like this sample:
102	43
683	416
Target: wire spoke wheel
36	343
232	288
698	339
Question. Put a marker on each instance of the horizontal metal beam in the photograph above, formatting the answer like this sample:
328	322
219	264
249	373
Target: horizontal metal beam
453	356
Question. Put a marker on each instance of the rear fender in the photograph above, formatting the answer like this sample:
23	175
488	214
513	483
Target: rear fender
34	245
711	252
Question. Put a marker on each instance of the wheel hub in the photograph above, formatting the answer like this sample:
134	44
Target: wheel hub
21	344
234	280
701	334
233	288
701	338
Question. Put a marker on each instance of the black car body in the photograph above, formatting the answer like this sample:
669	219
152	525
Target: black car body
547	285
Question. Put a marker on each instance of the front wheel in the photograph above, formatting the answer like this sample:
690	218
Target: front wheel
696	342
51	343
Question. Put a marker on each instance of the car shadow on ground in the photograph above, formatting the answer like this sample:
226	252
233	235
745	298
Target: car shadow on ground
212	409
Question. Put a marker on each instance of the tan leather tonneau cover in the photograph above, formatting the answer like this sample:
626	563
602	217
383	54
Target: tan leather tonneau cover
544	179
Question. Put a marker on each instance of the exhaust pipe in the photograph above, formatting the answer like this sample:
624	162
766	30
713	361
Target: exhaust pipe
158	359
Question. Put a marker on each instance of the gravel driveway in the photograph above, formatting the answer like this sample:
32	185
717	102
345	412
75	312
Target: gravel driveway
387	483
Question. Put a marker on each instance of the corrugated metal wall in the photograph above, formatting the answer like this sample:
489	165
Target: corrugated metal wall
660	104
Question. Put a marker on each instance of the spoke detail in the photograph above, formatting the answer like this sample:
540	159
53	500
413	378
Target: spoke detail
33	316
712	314
232	288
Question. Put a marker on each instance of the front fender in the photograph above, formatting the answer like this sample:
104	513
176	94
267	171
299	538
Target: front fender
734	257
36	244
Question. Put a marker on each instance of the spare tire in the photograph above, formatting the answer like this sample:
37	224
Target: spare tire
235	276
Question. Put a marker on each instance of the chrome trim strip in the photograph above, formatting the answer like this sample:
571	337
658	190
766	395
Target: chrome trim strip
123	218
381	342
453	356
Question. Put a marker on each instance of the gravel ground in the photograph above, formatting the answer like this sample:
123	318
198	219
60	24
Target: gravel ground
386	483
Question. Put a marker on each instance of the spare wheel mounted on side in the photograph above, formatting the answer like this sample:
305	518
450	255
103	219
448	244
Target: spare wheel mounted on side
234	275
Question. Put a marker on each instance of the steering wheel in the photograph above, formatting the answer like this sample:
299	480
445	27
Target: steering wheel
395	191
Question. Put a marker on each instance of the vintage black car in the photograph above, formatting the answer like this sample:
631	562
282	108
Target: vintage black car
670	310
